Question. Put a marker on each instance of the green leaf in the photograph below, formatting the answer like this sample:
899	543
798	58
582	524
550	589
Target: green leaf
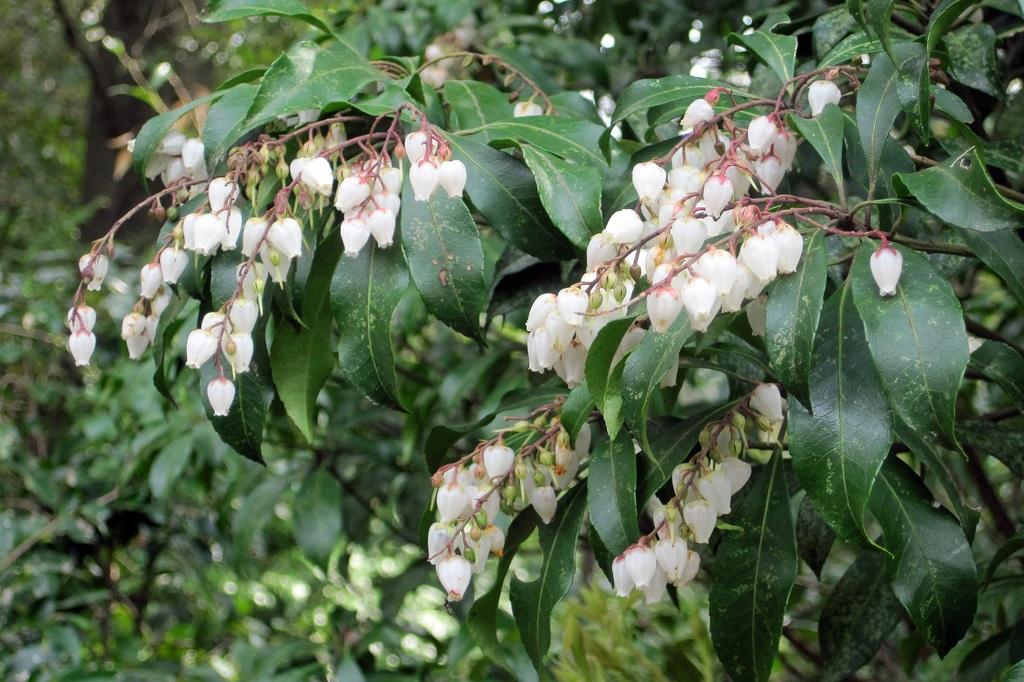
1005	443
364	294
503	190
825	133
917	340
317	515
242	428
611	492
166	328
571	194
753	575
474	104
153	131
839	446
442	248
876	15
857	617
1015	673
775	50
878	104
576	411
972	58
301	358
931	569
1003	365
830	28
572	139
482	621
851	47
601	355
533	602
961	192
791	317
1002	251
168	465
942	18
671	441
814	537
1005	551
310	76
225	121
644	369
644	94
226	10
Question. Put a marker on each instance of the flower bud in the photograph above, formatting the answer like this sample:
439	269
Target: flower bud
527	108
700	517
82	343
221	393
454	573
886	266
621	579
498	460
648	180
93	269
820	94
624	227
641	563
766	400
452	177
423	177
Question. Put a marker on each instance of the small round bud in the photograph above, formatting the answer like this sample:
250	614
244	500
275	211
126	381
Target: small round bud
538	478
469	554
764	424
481	521
546	457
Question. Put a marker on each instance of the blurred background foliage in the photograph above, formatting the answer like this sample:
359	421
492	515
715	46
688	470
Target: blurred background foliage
134	545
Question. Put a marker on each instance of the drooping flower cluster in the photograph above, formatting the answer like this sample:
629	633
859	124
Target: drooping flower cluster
703	490
496	479
177	157
430	166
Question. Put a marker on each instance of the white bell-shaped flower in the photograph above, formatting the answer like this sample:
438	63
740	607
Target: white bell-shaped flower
173	262
698	111
82	343
454	574
221	393
243	315
655	590
641	564
761	134
192	156
886	266
542	306
81	317
354	235
717	266
452	501
663	307
318	176
172	143
574	359
671	554
732	301
600	249
527	108
212	321
761	256
820	94
210	231
174	171
498	460
785	148
232	228
238	349
770	171
150	279
381	224
222	194
621	580
423	177
718	192
790	244
572	304
648	180
766	400
716	488
756	315
188	230
452	177
352	191
737	470
701	301
543	501
689	234
416	147
391	178
253	235
689	569
200	347
700	517
93	270
624	227
439	541
285	236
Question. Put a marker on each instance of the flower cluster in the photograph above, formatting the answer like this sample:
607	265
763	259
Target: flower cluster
703	490
494	479
177	157
430	166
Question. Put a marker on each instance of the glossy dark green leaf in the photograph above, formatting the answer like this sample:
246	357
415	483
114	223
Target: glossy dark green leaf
166	328
1015	673
572	139
876	15
1003	365
753	575
570	193
814	537
991	657
931	569
503	190
445	258
317	515
839	446
226	10
154	130
942	18
791	317
776	50
917	340
1005	551
533	602
825	133
961	192
644	369
913	86
168	465
857	617
242	428
671	442
644	94
601	355
611	491
576	410
1002	251
225	121
482	621
851	47
310	76
972	57
878	104
830	28
1005	443
301	358
474	104
364	293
